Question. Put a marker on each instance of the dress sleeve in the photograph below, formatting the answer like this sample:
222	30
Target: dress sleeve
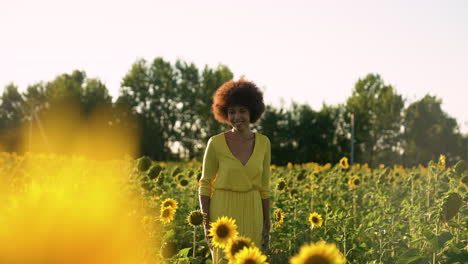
209	169
265	189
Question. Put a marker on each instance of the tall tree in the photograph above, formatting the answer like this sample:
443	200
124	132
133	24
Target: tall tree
429	132
11	115
173	103
378	115
310	135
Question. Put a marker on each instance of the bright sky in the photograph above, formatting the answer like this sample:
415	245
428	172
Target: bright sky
307	51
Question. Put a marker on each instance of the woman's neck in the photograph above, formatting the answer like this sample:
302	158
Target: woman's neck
243	134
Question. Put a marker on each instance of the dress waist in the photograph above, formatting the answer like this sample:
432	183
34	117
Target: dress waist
236	191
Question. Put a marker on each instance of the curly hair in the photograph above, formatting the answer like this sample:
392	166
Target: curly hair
242	92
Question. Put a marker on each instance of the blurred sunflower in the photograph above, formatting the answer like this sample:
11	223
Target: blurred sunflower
250	255
279	217
344	163
169	202
235	246
315	219
183	182
441	163
354	181
318	253
281	185
195	218
155	197
167	214
222	231
294	193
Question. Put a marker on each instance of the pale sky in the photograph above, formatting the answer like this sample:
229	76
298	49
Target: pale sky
307	51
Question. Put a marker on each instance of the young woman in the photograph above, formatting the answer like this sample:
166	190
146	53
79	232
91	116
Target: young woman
236	166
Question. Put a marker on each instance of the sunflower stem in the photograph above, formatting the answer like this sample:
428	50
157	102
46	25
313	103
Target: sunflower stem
434	254
294	225
354	209
194	241
410	224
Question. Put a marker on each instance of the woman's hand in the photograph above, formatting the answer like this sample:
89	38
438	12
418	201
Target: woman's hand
208	238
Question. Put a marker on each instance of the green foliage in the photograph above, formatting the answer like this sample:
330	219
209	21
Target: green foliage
11	114
429	132
301	130
377	110
461	167
171	103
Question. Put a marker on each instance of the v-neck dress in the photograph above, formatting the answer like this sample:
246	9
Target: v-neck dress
236	189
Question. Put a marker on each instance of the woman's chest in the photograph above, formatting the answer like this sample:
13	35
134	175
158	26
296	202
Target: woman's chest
241	150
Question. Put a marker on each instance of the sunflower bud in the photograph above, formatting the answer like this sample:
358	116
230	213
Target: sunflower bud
154	171
301	176
183	182
168	249
176	171
451	206
144	164
281	185
195	218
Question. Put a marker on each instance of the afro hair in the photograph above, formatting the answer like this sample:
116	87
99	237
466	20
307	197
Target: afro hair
242	92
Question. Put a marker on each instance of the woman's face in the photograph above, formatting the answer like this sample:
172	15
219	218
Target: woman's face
239	117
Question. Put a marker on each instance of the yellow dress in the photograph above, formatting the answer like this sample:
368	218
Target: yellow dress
235	189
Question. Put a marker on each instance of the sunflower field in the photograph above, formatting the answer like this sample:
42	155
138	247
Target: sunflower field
67	209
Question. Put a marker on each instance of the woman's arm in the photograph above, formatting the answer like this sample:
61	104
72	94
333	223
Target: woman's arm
209	169
205	208
266	224
265	194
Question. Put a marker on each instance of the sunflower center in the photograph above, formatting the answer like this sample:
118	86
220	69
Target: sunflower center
317	260
165	213
166	204
222	231
315	219
250	261
236	247
196	219
356	182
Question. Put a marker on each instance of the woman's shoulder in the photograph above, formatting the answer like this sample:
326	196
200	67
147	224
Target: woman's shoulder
216	138
262	137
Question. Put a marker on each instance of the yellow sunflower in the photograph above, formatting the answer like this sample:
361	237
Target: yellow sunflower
250	255
222	231
155	197
344	163
318	253
235	246
167	214
354	181
441	163
279	217
315	219
169	202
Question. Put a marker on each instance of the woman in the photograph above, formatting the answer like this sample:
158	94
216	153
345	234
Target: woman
236	166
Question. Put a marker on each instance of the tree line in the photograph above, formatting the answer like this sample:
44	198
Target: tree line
172	105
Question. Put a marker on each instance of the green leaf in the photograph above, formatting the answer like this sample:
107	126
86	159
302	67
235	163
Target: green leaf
412	257
443	238
428	235
184	252
169	234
